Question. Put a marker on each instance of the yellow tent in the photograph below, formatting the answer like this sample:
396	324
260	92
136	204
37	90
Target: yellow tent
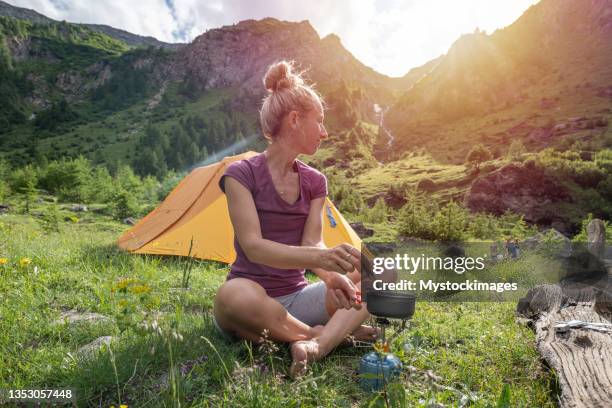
197	209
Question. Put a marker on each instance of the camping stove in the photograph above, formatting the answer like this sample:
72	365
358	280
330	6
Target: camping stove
378	367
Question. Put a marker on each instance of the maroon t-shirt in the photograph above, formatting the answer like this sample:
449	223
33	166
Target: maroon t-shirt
279	221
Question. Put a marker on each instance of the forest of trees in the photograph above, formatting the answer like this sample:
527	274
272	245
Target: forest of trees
191	141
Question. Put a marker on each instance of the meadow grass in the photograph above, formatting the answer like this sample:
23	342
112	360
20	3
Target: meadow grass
451	351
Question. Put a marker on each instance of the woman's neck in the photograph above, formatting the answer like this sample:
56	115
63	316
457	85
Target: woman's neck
280	158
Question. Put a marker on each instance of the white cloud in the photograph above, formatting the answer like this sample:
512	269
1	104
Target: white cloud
391	36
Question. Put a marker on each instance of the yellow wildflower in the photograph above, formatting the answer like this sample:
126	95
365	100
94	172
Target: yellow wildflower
123	303
140	289
23	262
124	283
3	261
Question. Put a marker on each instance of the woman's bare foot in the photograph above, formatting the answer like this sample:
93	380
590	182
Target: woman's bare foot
303	352
363	333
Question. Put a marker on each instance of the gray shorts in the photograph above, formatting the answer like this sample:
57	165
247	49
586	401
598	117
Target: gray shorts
306	305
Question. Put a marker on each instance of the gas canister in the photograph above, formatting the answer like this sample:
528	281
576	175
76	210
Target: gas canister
376	369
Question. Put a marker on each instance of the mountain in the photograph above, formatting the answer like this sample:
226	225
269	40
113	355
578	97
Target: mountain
543	82
130	39
522	82
66	81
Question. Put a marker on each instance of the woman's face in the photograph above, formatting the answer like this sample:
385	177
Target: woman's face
310	131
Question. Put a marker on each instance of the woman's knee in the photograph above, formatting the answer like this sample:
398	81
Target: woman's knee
238	296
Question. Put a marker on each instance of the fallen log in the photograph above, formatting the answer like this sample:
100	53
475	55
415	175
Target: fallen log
580	354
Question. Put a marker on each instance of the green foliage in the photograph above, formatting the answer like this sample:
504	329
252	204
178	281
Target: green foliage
484	227
13	87
128	84
101	186
423	218
504	400
582	236
124	205
4	174
24	181
478	155
68	179
58	114
516	150
344	101
588	176
178	148
378	213
50	219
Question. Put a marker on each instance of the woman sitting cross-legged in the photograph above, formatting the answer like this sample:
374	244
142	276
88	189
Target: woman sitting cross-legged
275	203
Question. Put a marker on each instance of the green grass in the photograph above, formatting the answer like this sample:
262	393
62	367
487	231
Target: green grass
475	348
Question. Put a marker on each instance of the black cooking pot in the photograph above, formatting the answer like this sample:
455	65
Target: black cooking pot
390	304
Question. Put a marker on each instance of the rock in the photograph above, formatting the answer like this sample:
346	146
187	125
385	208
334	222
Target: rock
596	233
129	221
391	199
527	191
4	208
378	248
361	229
427	185
329	162
90	350
540	134
74	317
78	208
546	103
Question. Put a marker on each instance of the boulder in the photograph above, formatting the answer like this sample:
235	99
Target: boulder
129	221
540	134
520	189
78	208
391	199
4	208
361	229
89	350
74	317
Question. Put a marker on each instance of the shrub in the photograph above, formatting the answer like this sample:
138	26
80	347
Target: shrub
378	213
477	155
125	205
67	178
516	150
50	220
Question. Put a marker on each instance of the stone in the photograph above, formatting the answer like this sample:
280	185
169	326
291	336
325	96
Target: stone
89	350
129	221
361	229
523	190
78	208
74	317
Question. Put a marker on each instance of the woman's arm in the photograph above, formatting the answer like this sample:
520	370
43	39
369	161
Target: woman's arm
343	291
245	221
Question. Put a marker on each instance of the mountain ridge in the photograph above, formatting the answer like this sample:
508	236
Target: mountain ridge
134	40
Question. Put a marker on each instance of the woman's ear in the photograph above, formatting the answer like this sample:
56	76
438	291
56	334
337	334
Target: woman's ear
293	119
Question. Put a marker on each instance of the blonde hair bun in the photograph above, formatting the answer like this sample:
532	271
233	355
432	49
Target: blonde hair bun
286	92
280	76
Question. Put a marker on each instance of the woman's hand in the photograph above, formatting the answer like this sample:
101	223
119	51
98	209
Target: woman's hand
343	258
343	292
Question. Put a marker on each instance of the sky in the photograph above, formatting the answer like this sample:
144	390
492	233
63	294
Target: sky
391	36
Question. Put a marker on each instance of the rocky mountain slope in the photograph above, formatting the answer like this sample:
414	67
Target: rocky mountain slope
553	63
